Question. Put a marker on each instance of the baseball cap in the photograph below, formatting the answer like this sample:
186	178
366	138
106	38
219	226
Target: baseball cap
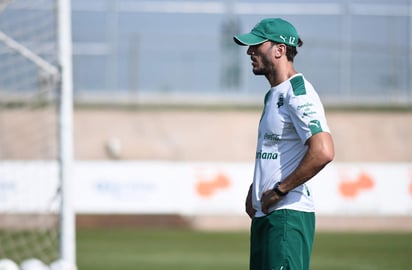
274	29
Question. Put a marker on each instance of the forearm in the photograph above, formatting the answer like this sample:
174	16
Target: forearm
307	169
320	153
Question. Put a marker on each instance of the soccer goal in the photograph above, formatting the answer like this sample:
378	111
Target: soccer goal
36	219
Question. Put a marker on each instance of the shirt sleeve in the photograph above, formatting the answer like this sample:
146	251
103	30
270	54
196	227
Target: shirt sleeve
306	110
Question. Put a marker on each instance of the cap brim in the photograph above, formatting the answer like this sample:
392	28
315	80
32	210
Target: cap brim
249	39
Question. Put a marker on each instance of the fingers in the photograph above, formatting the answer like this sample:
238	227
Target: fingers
248	204
251	212
269	198
249	209
265	207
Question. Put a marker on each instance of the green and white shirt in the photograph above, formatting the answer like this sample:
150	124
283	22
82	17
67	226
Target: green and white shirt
292	113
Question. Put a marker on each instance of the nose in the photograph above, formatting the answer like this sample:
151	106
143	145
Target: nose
250	50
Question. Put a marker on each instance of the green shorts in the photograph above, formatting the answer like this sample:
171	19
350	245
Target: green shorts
282	240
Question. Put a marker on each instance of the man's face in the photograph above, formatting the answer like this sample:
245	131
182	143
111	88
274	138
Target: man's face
262	58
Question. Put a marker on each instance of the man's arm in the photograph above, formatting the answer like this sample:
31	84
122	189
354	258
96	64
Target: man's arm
248	205
320	152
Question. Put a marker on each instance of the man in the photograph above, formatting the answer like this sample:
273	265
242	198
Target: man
294	144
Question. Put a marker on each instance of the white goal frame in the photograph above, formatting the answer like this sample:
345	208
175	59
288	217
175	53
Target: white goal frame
63	75
68	223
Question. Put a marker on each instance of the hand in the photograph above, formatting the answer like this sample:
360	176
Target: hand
269	198
249	207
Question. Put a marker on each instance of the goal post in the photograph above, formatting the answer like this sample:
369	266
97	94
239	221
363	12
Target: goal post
37	218
67	243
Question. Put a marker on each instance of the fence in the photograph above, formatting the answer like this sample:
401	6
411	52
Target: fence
354	51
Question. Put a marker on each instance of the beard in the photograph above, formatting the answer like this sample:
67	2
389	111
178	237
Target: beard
258	71
263	67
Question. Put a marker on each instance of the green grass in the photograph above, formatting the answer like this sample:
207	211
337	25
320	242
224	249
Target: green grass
184	249
161	249
362	251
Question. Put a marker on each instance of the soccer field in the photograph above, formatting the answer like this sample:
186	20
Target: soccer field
104	249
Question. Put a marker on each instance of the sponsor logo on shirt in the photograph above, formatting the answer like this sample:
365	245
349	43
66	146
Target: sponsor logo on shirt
307	109
272	137
304	106
266	155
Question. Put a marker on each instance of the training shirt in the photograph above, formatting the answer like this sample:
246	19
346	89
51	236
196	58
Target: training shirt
292	113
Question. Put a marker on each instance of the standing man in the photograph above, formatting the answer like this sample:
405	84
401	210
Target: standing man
294	144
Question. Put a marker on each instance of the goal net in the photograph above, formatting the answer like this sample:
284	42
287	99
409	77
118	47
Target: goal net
29	167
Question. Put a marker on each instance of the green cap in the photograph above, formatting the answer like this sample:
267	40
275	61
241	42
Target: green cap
273	29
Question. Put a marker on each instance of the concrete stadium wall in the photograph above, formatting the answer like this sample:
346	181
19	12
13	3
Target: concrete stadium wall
223	135
228	135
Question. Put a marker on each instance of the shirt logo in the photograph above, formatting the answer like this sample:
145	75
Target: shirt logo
315	127
280	101
266	155
271	139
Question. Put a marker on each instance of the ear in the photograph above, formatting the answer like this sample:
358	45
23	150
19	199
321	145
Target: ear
280	49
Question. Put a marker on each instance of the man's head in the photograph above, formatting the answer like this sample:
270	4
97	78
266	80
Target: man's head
275	30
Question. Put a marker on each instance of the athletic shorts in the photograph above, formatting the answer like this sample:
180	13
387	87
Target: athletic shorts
282	240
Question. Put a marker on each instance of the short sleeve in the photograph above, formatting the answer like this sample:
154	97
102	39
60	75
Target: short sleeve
305	109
